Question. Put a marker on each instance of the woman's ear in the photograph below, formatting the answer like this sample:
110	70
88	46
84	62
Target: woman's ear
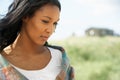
25	19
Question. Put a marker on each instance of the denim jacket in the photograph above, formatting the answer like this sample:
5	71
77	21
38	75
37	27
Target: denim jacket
7	72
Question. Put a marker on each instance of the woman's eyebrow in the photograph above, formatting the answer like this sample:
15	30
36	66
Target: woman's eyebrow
50	18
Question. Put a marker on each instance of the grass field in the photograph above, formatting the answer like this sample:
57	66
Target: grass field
93	58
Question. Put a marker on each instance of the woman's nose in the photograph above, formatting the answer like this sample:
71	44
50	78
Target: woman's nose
50	29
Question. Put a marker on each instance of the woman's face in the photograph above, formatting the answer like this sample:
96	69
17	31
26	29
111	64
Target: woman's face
41	25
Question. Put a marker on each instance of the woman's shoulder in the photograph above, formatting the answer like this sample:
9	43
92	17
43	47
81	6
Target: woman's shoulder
60	48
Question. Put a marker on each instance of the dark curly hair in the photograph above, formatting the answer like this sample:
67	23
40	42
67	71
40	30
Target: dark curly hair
10	24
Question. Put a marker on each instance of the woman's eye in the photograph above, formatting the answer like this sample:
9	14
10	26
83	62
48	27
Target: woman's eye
45	21
55	23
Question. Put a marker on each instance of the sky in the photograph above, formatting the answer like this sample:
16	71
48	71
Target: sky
79	15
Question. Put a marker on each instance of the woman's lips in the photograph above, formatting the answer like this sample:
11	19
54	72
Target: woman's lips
44	37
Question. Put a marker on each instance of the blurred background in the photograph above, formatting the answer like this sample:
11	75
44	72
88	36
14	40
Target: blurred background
89	30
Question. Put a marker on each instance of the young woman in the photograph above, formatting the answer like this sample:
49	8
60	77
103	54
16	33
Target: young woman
25	54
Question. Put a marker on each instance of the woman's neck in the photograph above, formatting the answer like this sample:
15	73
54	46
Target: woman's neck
24	45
